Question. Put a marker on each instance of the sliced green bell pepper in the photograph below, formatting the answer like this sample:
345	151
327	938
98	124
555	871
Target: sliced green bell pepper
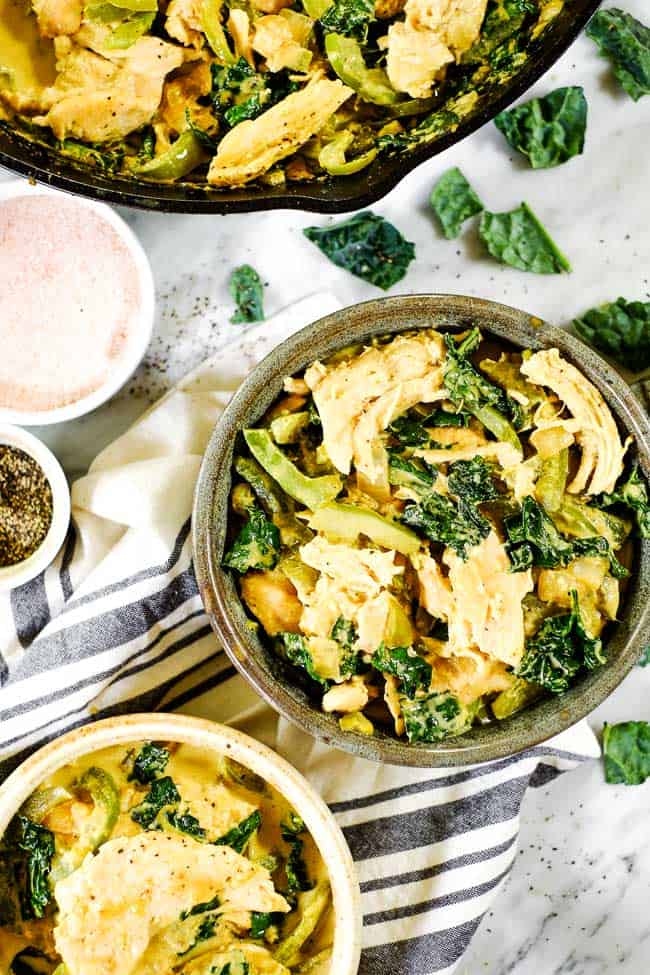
332	156
310	491
348	521
346	58
181	158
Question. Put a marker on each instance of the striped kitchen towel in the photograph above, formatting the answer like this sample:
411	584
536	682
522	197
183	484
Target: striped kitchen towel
116	625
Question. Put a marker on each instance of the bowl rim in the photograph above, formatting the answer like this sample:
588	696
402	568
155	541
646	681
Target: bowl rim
142	326
261	759
218	590
12	576
191	200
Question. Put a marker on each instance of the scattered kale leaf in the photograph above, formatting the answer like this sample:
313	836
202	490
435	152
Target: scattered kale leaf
443	418
238	836
454	523
162	792
365	245
295	866
626	42
472	481
37	843
631	494
413	671
626	748
243	968
256	547
620	329
240	93
297	653
210	905
349	17
559	650
644	659
454	201
247	292
186	823
408	429
434	717
260	922
150	762
549	130
518	238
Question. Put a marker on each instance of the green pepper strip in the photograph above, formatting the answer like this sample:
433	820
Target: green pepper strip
213	30
184	155
332	156
106	798
346	58
497	424
138	6
552	480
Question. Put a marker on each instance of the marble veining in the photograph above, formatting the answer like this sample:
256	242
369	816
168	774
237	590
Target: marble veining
576	902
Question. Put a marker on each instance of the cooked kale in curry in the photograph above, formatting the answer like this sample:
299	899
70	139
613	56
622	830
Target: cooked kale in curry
248	90
434	532
160	859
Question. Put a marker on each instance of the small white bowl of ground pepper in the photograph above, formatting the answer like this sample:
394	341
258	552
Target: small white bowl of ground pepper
34	507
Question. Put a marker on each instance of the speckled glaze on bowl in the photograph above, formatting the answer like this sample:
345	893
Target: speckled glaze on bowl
263	669
209	736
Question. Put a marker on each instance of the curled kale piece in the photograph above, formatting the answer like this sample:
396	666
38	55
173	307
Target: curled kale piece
349	17
434	716
162	792
150	762
237	837
519	239
412	671
256	547
470	390
295	867
472	481
548	130
186	823
37	844
560	649
626	42
248	294
619	329
297	653
366	245
454	201
414	474
345	634
240	93
631	494
626	748
449	522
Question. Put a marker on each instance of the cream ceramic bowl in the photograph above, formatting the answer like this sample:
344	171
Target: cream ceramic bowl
255	756
143	325
12	576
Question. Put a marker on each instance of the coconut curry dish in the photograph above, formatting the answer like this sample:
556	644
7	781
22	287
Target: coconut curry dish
244	90
161	859
433	532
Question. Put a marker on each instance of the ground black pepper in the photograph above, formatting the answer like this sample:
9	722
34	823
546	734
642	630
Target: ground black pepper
25	505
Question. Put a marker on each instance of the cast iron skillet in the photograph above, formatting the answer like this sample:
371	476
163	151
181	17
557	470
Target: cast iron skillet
332	196
276	681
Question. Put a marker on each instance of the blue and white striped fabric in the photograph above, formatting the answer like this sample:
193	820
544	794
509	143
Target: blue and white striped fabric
116	625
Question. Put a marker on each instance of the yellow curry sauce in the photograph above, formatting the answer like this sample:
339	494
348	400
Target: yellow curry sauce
161	860
23	51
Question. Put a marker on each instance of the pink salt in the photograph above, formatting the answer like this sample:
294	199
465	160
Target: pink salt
69	302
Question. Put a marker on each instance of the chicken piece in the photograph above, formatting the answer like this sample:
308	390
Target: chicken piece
454	23
549	441
184	22
487	611
68	818
468	677
240	30
104	927
282	39
383	620
272	599
416	58
58	17
597	435
344	391
370	455
435	590
252	147
350	696
181	94
113	98
271	6
387	9
505	454
257	959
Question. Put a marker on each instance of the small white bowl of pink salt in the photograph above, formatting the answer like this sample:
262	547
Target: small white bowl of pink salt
76	304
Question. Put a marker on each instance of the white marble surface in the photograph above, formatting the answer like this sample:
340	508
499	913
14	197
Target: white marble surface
576	902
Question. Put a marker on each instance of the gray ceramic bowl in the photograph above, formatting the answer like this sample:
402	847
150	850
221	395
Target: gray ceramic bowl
263	669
